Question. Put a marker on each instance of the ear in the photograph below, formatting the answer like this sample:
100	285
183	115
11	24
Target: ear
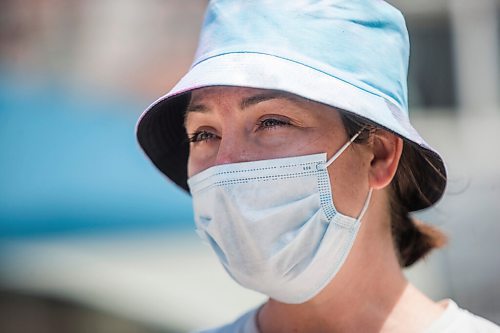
387	149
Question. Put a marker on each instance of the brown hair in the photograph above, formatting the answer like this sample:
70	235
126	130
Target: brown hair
413	239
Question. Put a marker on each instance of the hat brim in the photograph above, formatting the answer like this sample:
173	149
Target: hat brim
161	134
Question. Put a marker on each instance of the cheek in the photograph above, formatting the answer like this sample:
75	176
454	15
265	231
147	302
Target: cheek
297	142
348	180
277	143
200	160
191	169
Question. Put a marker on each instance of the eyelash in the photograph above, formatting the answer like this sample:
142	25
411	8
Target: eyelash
275	123
195	137
264	124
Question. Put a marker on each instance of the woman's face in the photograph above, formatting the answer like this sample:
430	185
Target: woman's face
231	124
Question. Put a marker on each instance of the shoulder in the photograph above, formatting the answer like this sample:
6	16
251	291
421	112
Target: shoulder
247	323
458	320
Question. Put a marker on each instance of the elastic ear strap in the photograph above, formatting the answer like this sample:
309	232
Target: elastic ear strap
344	147
365	206
336	155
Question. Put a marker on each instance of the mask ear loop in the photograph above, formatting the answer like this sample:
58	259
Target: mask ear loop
343	148
365	206
336	155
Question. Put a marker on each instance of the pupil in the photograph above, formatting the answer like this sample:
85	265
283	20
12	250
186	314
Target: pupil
270	122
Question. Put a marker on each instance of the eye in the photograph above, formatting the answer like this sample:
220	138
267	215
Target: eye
269	123
200	136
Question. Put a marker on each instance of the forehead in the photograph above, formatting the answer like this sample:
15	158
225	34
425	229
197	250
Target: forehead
216	90
301	110
225	93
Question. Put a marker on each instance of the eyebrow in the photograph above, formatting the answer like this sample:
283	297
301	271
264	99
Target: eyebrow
259	98
248	101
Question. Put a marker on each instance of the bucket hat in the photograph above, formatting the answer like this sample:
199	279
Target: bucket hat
349	54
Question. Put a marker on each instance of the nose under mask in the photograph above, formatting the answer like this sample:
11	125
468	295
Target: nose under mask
273	224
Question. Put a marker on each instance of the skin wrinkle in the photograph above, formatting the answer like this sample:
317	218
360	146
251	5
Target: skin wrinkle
316	126
369	293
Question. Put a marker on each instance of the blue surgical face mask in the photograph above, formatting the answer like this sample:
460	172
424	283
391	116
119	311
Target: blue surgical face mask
273	224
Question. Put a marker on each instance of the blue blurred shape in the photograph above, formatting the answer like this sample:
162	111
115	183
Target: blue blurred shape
69	162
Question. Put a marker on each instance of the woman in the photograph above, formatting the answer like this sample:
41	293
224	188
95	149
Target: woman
291	133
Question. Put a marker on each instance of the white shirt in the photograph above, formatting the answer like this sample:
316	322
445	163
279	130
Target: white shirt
453	320
457	320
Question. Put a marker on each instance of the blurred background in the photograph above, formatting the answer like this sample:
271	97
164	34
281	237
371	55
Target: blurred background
94	239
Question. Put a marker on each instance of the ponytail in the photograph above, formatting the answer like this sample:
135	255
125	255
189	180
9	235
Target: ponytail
413	239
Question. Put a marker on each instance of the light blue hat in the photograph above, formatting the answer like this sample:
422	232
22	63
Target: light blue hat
349	54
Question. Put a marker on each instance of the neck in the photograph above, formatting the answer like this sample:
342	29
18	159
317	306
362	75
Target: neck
369	294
